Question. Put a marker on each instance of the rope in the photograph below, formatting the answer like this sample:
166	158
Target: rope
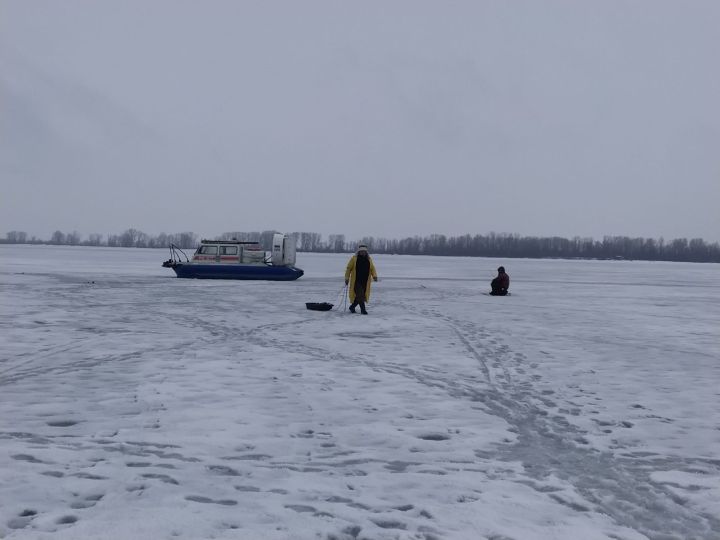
342	301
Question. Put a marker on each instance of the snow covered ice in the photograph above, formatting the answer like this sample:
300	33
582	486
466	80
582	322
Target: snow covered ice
135	405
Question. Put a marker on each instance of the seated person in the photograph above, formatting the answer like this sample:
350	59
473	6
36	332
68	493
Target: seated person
500	284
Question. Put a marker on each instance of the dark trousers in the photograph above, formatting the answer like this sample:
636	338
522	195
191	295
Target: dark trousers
359	298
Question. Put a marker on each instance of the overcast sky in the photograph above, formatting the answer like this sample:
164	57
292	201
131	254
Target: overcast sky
385	118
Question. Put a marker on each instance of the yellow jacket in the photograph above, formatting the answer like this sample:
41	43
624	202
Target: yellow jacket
350	275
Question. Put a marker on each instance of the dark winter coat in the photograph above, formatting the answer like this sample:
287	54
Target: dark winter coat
500	284
351	274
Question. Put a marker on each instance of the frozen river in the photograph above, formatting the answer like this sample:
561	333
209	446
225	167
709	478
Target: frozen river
134	405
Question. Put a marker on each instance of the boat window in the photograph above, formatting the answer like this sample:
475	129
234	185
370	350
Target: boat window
209	250
228	250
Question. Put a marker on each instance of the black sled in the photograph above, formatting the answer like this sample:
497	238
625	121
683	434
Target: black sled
318	306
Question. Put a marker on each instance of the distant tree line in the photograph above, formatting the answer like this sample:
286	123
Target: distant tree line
516	246
129	238
490	245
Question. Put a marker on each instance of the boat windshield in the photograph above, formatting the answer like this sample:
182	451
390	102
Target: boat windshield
207	250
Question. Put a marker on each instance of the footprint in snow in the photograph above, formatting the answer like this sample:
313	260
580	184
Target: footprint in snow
434	437
208	500
22	520
162	477
223	470
88	476
390	524
250	489
62	423
248	457
26	457
301	508
86	502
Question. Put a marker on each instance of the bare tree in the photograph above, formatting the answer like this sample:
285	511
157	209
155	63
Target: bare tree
16	237
159	241
129	238
73	238
310	241
336	243
58	237
187	240
94	239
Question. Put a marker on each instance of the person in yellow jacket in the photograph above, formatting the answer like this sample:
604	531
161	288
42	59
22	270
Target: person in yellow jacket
358	274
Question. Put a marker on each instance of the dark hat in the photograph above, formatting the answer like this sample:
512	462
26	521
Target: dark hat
362	247
501	269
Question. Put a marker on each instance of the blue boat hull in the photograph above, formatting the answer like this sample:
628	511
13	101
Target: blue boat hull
237	271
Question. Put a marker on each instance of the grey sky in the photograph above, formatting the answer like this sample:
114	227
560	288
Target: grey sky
375	118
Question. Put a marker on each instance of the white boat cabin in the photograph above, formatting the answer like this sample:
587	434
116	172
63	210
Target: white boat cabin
236	252
232	252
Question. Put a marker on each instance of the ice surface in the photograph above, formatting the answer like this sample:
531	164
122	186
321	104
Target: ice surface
137	405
